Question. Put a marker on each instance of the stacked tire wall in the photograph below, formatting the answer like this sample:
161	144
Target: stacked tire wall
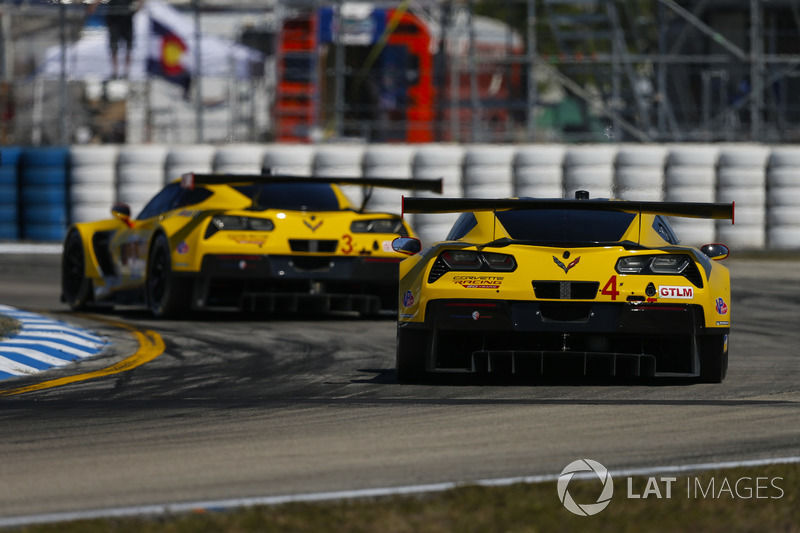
42	190
9	194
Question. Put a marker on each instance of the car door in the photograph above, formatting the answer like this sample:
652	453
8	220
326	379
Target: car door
130	246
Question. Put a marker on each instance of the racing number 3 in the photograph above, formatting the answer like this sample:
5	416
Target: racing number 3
347	247
610	288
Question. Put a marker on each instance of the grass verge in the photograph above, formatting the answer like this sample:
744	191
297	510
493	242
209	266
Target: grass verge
746	499
8	326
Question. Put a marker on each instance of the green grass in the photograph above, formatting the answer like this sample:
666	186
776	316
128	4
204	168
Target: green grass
8	326
516	508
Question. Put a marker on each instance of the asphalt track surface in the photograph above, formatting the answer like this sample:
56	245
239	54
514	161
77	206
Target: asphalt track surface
241	406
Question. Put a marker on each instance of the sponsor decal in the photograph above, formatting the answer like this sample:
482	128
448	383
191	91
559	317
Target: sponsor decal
566	268
243	238
479	282
182	248
475	315
386	246
408	299
188	213
683	293
723	323
407	315
722	307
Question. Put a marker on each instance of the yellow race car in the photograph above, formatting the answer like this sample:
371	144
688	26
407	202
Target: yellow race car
533	287
251	242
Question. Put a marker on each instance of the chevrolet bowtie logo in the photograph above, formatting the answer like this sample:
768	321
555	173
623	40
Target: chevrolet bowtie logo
566	267
312	227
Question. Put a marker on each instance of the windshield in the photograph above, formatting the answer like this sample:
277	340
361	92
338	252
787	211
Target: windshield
291	196
565	225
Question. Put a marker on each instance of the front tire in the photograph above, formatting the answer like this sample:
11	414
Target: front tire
167	295
412	345
76	289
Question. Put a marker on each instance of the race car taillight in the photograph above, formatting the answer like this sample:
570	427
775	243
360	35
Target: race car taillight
470	260
665	264
379	225
502	262
462	260
632	265
653	264
237	223
669	264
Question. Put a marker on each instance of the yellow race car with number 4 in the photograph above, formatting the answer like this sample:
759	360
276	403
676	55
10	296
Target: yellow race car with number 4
592	287
251	242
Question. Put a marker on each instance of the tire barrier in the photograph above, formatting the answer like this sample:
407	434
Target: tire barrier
43	189
434	161
44	181
385	161
741	178
188	158
92	188
538	171
140	174
292	159
590	168
690	176
639	173
341	160
783	199
239	159
488	172
9	194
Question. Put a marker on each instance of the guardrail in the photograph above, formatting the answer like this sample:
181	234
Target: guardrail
42	190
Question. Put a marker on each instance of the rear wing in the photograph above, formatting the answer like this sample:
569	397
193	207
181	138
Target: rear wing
189	180
673	209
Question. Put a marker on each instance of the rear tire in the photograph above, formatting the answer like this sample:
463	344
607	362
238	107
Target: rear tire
412	345
167	295
76	289
713	359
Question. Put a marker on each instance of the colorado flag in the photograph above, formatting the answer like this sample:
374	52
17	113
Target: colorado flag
168	54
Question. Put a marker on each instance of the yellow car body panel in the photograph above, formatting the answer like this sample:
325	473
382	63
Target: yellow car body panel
491	294
232	231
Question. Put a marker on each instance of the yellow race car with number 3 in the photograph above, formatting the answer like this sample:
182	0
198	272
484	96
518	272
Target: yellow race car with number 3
251	242
593	287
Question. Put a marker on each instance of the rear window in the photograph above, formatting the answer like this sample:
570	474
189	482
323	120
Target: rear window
565	225
291	196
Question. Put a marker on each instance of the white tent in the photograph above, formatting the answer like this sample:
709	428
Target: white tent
90	57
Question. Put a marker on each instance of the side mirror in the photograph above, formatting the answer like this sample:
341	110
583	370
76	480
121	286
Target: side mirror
717	252
123	213
407	245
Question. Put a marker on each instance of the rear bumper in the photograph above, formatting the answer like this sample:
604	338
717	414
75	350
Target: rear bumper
583	338
274	283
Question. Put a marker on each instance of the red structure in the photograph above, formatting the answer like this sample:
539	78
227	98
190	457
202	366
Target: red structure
387	69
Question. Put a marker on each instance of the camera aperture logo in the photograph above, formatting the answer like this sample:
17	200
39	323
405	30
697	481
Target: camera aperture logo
584	467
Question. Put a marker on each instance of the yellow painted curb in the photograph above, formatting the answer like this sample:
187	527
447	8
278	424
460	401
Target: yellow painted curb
151	345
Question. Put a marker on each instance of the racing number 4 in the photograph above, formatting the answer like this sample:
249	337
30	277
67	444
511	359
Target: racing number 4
610	288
